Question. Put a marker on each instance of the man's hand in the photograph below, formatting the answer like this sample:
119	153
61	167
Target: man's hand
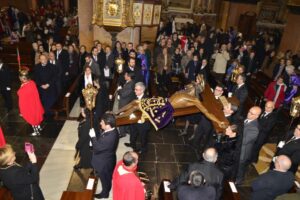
92	133
32	157
119	88
45	86
165	68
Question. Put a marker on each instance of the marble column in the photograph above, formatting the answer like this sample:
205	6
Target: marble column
34	4
85	13
66	5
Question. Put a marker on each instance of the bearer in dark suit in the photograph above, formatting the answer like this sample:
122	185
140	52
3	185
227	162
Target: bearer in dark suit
141	129
5	85
212	175
266	122
250	133
104	152
240	91
62	56
291	148
274	182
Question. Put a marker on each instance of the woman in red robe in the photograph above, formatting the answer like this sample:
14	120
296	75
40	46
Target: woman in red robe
30	105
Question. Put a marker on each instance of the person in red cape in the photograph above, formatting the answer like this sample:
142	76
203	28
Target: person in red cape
30	105
126	184
2	139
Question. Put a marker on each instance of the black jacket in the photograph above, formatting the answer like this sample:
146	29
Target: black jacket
63	58
187	192
272	184
213	176
19	180
241	94
126	94
104	150
5	77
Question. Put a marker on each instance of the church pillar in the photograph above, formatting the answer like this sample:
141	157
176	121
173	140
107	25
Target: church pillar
223	15
34	4
66	5
85	13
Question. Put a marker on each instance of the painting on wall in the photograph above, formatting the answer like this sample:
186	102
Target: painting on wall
147	14
180	5
156	14
137	13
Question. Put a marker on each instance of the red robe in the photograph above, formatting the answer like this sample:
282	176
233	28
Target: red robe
270	94
30	105
126	185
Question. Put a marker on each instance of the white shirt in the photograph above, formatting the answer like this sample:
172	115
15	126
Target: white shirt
107	130
241	85
58	52
140	97
87	80
1	66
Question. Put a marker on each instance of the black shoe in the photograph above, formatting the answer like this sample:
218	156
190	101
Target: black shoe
127	144
100	196
76	167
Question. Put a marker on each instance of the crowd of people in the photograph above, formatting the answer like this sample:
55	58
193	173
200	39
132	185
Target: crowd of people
225	59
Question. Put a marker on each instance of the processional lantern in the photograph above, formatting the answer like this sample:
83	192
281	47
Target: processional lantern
120	64
295	107
89	95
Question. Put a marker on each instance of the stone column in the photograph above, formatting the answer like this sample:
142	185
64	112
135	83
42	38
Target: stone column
34	4
67	5
85	13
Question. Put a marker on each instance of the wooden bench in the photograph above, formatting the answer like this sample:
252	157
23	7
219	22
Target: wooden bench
64	102
5	194
87	194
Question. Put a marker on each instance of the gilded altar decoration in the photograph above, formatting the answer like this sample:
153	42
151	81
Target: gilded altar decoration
120	64
137	13
295	107
156	14
147	14
89	94
113	13
158	110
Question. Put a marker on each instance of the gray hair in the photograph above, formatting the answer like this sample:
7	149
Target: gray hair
210	155
142	85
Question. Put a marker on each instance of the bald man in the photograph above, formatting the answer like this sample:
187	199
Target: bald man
249	135
267	121
212	174
274	182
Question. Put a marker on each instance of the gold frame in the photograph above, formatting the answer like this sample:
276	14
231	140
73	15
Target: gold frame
156	14
138	7
125	18
179	8
147	13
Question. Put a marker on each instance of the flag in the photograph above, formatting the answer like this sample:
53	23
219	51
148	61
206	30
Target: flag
2	139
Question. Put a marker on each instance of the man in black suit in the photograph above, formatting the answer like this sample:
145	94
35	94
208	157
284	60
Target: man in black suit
266	122
274	182
59	72
101	56
108	69
104	152
138	74
45	75
250	63
249	136
141	129
291	148
240	91
94	66
195	189
126	93
62	56
5	85
212	175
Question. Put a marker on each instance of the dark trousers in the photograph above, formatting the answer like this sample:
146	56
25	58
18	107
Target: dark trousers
242	169
6	94
261	140
142	130
105	176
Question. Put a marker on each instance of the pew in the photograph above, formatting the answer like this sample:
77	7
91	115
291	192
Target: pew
5	194
65	101
87	194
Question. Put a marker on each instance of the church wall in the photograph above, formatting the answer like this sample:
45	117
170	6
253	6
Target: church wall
235	10
290	38
85	11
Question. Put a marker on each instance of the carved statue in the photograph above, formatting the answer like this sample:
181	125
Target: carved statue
180	99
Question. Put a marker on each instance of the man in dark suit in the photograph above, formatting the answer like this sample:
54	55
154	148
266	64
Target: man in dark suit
104	152
141	129
5	85
59	72
101	56
250	63
212	175
291	148
62	56
45	75
108	69
266	122
249	136
240	91
126	93
203	69
274	182
94	66
195	189
138	74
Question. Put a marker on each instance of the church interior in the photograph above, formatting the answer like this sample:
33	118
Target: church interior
215	75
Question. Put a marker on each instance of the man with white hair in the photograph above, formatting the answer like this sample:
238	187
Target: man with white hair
274	182
212	175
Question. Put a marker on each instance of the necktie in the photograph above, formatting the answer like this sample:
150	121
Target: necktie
246	121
